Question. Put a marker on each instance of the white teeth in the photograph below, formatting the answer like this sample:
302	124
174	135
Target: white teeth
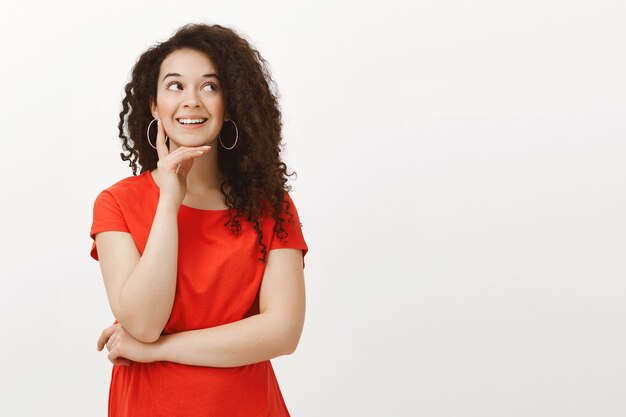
191	121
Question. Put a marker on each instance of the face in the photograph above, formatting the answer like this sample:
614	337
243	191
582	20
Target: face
189	89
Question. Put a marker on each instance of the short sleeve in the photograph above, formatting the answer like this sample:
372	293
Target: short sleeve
292	226
107	215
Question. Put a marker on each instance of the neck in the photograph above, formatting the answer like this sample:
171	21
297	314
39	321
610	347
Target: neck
204	176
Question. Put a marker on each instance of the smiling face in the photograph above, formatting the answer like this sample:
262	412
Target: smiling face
188	92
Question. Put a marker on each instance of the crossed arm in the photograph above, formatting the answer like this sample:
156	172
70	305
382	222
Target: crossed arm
275	331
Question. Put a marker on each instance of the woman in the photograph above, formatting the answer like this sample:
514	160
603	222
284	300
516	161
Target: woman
202	253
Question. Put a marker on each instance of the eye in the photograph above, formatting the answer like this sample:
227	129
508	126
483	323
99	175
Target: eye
172	83
178	83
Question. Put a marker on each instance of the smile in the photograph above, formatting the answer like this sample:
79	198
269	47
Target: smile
188	122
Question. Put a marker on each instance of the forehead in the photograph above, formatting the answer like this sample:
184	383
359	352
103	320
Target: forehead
187	63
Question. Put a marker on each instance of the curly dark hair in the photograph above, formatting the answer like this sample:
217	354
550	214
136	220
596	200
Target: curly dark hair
254	175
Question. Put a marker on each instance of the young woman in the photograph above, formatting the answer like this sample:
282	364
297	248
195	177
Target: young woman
202	253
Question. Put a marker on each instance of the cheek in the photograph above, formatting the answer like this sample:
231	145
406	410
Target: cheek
168	109
216	104
165	106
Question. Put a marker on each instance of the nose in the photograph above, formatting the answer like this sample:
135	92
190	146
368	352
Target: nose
191	98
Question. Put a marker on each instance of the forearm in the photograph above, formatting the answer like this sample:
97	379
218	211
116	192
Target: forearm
254	339
147	297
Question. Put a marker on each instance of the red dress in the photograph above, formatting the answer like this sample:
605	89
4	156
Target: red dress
218	279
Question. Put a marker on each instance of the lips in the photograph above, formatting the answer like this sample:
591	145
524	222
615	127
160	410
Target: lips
195	123
192	119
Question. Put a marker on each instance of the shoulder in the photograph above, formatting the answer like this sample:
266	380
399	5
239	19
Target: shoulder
289	206
132	183
285	213
127	188
269	208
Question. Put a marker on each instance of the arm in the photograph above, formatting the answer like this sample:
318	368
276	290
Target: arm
275	331
141	288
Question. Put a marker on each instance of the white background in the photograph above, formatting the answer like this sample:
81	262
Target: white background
460	179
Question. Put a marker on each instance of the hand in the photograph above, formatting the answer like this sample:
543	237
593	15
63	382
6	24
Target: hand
123	348
174	167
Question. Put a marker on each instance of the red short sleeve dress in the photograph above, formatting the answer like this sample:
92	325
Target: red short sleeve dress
219	276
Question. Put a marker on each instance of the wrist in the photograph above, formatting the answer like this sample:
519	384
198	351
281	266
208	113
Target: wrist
159	349
167	205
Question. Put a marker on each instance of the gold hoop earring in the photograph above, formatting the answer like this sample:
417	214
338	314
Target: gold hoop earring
148	134
236	135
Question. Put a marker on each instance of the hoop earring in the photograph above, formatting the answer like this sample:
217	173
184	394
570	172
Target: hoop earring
236	135
148	134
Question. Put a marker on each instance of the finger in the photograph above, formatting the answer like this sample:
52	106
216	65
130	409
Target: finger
112	357
104	336
122	361
181	151
113	338
162	150
185	165
187	154
111	342
183	158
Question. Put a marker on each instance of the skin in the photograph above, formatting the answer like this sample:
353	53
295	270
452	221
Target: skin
274	332
198	178
188	174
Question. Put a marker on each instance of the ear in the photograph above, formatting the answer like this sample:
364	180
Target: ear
153	108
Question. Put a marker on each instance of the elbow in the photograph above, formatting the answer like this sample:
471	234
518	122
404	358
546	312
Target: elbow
285	333
144	335
138	327
291	348
290	342
149	337
292	330
139	331
141	334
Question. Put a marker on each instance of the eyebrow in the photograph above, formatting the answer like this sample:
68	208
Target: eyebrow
174	74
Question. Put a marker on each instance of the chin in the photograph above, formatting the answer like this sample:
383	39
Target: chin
191	140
